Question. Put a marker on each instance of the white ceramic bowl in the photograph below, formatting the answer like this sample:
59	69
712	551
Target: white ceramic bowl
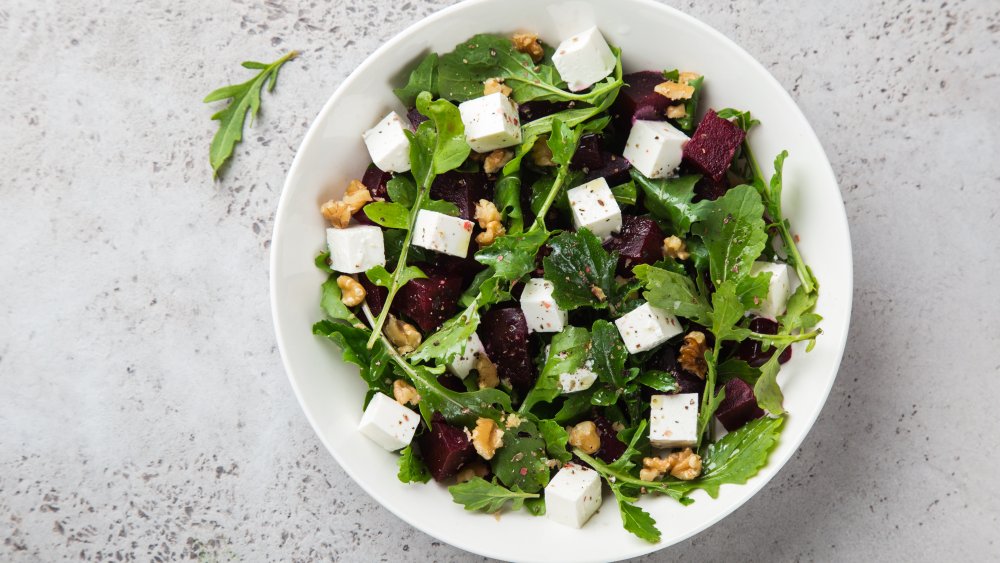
651	36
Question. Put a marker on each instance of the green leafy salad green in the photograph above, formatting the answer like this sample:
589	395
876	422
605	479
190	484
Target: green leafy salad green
562	300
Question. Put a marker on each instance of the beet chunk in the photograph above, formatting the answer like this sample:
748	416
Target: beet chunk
751	351
639	242
666	360
445	448
611	447
429	301
504	333
707	188
713	146
588	155
530	111
463	189
739	407
375	180
415	117
375	295
638	100
615	170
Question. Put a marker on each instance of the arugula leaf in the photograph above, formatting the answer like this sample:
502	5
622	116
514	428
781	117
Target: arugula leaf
394	239
562	142
766	388
332	305
671	199
582	272
567	353
608	354
674	293
521	462
662	381
736	457
535	506
456	407
423	78
479	494
322	262
727	311
379	276
635	519
737	369
508	201
245	99
411	468
733	230
374	365
743	119
556	438
575	406
388	215
513	256
451	338
450	147
402	190
626	194
797	312
687	123
751	290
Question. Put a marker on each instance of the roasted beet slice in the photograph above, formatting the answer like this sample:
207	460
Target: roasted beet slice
530	111
375	295
504	332
713	146
615	170
588	155
751	351
445	448
638	100
429	301
375	180
707	188
416	118
463	189
639	242
611	447
739	407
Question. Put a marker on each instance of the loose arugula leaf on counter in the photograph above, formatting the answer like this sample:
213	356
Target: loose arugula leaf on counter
521	461
245	99
480	494
733	230
674	293
567	353
411	468
582	272
670	199
423	78
556	438
609	354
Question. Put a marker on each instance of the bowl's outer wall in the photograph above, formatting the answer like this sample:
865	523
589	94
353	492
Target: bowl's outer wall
652	37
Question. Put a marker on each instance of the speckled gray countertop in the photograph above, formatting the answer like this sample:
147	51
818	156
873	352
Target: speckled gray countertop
144	411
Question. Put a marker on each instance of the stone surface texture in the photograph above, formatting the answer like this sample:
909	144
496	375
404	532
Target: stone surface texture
144	411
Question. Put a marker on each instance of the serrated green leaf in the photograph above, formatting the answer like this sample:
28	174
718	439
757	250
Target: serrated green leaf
522	461
423	78
766	389
450	148
567	353
582	272
411	468
556	438
671	199
673	292
733	230
513	256
608	354
374	364
332	305
634	519
479	494
662	381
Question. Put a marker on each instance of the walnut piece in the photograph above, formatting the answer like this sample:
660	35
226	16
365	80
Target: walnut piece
686	77
486	437
492	231
654	467
584	436
686	464
338	213
541	154
405	393
598	293
494	85
486	212
676	111
488	378
692	356
528	43
512	421
403	335
351	292
674	90
473	469
496	160
675	248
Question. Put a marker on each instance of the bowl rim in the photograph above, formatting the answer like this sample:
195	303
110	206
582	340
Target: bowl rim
752	487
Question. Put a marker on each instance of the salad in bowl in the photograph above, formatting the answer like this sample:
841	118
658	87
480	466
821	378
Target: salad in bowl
561	282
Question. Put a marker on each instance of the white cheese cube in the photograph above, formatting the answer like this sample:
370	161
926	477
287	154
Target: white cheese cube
355	249
388	423
466	362
387	144
646	327
491	122
655	148
442	233
594	207
777	294
579	380
673	420
573	495
540	309
584	59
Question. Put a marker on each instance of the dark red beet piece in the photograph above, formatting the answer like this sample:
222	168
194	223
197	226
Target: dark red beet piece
666	360
429	301
739	407
640	241
615	170
445	448
751	351
463	189
707	188
713	146
445	265
416	118
375	180
611	447
530	111
375	295
504	332
452	382
588	155
638	100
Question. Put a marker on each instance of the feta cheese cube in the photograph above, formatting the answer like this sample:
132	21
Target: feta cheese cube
777	294
355	249
387	144
466	362
673	420
573	495
442	233
491	122
580	380
594	207
646	327
584	59
388	423
655	148
540	309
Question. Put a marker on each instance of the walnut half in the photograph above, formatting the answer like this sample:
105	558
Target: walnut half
487	437
405	393
686	464
675	248
585	436
338	213
692	355
351	291
528	43
403	335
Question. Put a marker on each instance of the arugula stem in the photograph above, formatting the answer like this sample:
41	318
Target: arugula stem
785	339
708	395
551	197
618	477
394	286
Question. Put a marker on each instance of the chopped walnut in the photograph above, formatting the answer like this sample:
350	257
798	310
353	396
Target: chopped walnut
496	160
528	43
654	467
403	335
687	77
486	212
686	464
405	393
486	437
674	90
692	356
676	111
512	421
351	292
541	154
474	469
490	234
338	213
598	293
675	248
488	378
584	436
494	85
